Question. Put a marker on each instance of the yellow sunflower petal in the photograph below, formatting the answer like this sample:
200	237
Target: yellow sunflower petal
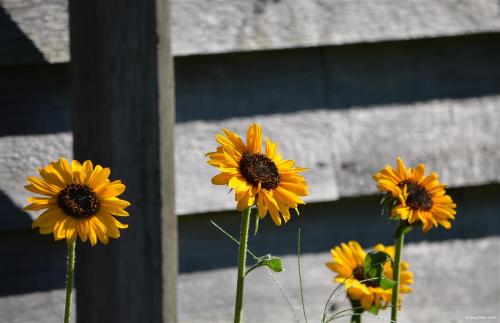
235	140
40	186
299	189
114	209
49	218
254	138
87	170
98	177
40	203
83	229
64	169
111	229
112	189
52	176
401	170
287	197
92	234
221	179
271	149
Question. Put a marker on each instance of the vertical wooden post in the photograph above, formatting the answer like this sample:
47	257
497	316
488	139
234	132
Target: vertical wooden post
124	118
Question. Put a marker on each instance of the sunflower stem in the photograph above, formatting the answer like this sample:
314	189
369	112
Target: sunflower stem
400	234
300	278
245	224
69	280
357	311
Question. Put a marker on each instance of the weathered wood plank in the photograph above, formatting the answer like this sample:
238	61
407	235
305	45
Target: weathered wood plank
36	30
459	139
324	224
439	292
36	264
440	96
124	118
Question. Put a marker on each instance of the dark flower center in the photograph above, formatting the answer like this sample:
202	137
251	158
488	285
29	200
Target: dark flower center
418	197
78	200
359	274
257	168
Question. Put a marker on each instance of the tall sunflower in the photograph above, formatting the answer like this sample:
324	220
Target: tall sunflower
79	200
348	262
258	177
422	199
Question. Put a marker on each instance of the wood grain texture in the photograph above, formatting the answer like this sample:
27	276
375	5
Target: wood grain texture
433	93
36	30
32	280
124	118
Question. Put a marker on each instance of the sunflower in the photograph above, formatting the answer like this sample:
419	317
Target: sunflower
348	262
262	178
79	200
422	199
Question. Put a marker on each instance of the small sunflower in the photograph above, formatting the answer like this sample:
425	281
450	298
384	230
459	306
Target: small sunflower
257	177
422	199
79	200
348	262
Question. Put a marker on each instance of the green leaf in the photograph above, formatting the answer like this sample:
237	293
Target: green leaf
374	263
373	309
386	283
275	264
388	202
272	262
374	269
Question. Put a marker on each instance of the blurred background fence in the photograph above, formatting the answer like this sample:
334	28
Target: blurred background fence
343	86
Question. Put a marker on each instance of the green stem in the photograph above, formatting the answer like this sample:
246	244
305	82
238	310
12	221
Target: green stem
400	234
69	280
357	311
300	278
245	224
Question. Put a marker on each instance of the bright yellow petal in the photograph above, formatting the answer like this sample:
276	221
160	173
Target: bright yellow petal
40	186
112	189
40	203
83	229
401	170
64	169
271	149
254	138
49	218
52	176
235	140
221	179
98	177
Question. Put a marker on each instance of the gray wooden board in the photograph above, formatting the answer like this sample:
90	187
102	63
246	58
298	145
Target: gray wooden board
219	87
33	266
204	247
455	281
36	30
33	262
444	291
301	96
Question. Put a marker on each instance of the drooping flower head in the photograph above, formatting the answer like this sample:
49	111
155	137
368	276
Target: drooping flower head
258	177
348	262
79	200
420	199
